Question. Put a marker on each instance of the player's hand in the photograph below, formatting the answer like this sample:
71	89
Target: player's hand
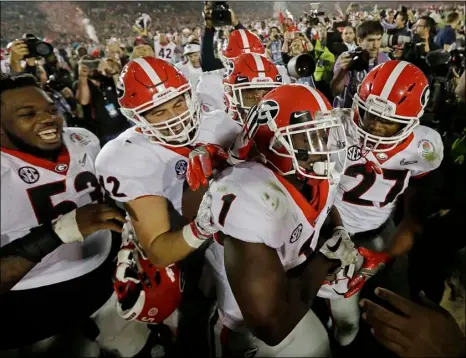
202	227
373	263
340	247
345	61
416	330
94	217
200	164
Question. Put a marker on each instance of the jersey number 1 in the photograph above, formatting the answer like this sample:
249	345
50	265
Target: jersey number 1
227	201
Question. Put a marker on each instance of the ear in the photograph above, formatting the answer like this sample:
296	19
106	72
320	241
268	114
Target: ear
358	41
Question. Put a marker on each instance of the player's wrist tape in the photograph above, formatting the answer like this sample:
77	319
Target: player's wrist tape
67	228
337	228
190	237
35	245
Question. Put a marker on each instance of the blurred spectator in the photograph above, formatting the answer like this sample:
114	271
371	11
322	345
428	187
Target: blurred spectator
349	37
422	43
324	61
401	23
192	67
447	36
142	51
96	92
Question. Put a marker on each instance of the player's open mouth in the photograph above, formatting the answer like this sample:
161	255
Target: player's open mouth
51	135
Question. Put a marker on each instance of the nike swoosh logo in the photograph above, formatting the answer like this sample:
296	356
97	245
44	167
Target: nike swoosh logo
334	247
299	115
83	161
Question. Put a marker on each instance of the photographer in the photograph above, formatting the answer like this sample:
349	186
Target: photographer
18	53
346	78
208	60
96	92
422	43
274	46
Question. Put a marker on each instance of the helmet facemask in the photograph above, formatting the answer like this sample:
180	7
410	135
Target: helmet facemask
242	97
373	107
178	131
316	148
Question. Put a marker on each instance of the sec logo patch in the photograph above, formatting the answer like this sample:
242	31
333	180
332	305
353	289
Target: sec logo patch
354	153
28	175
181	167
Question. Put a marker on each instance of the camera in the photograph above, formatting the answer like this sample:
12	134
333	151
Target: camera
54	83
301	66
359	59
36	47
90	64
221	15
394	40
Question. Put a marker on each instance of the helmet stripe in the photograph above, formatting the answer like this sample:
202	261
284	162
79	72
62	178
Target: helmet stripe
388	87
150	72
259	64
244	37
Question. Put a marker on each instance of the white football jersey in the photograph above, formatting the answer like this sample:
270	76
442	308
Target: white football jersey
131	166
190	72
165	52
251	203
367	197
209	90
35	190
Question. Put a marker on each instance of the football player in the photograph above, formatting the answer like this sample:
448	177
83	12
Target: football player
388	150
270	217
55	233
209	88
144	169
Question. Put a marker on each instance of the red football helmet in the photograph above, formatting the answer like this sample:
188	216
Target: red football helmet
395	91
295	124
144	292
239	42
148	82
250	72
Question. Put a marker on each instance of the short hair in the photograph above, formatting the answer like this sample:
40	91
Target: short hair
8	82
367	28
452	17
404	15
351	27
430	22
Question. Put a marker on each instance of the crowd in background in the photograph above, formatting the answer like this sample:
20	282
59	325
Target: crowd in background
93	41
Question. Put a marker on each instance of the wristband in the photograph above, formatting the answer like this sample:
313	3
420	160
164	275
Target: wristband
336	228
190	237
67	229
35	245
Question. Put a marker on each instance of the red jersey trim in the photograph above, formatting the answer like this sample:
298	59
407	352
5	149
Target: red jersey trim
399	148
61	166
311	210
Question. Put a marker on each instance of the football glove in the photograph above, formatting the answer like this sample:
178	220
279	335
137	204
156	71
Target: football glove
202	161
373	263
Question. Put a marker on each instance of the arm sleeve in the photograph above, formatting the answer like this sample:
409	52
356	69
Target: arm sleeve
208	60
